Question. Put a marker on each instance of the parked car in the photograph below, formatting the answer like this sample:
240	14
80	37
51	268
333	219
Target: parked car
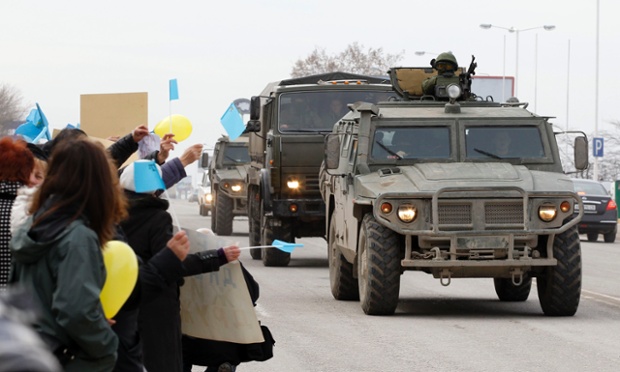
193	198
600	213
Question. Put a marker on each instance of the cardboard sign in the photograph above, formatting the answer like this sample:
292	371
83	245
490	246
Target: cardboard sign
217	305
116	114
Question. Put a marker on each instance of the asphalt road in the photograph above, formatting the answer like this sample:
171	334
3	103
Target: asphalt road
462	327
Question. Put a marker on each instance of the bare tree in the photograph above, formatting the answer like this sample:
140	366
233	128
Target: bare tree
353	59
12	110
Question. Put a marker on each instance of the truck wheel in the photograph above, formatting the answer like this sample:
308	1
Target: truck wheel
378	268
344	286
224	217
214	213
203	210
274	256
610	237
592	237
559	287
507	291
254	222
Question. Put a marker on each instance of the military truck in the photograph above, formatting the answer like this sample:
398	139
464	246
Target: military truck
418	184
228	173
287	126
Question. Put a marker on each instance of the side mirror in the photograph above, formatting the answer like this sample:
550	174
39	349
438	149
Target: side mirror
204	160
332	151
253	126
581	153
255	108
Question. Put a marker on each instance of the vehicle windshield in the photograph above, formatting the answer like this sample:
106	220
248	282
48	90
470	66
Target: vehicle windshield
503	142
318	111
234	155
411	143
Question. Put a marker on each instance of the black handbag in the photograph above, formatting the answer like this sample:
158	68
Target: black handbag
260	351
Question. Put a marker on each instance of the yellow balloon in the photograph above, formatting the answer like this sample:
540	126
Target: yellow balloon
122	273
181	127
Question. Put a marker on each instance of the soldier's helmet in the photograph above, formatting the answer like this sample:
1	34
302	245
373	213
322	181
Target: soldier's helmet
445	62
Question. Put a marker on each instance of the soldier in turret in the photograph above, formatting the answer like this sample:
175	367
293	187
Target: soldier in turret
446	66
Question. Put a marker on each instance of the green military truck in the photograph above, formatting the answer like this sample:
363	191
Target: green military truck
288	123
454	187
227	173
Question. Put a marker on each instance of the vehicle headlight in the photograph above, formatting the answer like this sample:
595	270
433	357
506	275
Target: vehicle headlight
547	212
454	91
407	212
236	188
209	197
292	184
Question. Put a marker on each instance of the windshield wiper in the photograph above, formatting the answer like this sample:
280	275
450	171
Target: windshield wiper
487	154
388	150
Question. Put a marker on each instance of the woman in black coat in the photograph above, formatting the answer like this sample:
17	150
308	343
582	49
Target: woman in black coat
147	230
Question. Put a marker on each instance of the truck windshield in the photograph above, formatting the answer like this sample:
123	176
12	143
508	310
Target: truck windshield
411	143
236	155
505	142
318	111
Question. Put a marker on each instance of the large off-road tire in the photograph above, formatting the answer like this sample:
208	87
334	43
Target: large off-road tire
274	256
559	287
610	237
507	291
224	216
214	212
204	211
592	237
343	285
378	267
254	222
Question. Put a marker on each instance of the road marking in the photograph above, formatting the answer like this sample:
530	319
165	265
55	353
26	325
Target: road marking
599	297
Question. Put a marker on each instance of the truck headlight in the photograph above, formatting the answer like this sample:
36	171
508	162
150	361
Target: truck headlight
547	212
236	188
292	184
209	197
407	212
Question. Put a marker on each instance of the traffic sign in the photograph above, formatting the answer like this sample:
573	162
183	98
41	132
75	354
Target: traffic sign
597	147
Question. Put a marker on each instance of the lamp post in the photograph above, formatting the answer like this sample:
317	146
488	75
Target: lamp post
423	52
517	31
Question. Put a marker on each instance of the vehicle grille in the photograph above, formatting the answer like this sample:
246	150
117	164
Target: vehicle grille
311	183
480	215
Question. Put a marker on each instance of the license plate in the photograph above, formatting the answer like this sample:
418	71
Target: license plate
589	207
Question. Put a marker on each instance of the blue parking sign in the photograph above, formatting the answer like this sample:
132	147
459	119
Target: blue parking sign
597	147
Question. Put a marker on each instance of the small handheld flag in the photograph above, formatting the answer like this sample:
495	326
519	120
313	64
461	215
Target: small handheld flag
232	122
174	89
283	246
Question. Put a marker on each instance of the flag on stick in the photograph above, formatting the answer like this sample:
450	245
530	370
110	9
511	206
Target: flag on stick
232	122
174	90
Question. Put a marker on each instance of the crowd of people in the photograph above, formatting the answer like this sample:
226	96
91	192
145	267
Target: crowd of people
60	203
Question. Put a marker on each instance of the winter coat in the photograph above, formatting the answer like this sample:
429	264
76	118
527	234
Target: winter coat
8	191
148	229
61	263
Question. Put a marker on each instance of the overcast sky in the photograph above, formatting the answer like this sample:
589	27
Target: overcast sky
54	51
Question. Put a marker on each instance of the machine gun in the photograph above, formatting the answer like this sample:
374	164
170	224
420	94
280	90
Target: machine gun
467	76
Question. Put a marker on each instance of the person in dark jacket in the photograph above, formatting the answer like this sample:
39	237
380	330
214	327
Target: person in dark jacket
58	254
147	229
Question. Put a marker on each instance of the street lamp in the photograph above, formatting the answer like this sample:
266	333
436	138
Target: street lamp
423	52
487	26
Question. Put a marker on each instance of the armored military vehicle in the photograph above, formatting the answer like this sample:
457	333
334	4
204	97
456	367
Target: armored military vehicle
228	174
454	187
288	122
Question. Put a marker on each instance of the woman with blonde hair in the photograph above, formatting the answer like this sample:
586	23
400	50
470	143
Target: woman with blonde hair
57	253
